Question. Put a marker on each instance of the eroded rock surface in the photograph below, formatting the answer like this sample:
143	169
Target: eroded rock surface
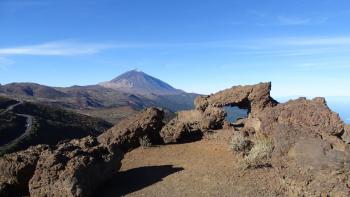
192	124
313	114
346	135
17	169
309	153
255	98
126	133
75	168
209	114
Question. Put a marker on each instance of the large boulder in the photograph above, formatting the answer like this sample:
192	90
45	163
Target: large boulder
312	114
255	98
127	133
74	169
191	124
17	169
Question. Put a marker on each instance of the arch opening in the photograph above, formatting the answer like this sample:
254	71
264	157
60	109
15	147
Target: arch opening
235	113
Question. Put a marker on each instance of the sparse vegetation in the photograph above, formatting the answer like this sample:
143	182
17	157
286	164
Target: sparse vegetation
260	154
240	143
256	150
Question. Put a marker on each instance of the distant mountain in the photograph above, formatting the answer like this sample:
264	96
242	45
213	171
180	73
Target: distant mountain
137	82
32	90
113	100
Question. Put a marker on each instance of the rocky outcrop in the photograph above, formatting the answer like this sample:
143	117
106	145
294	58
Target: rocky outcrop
209	114
346	135
255	98
312	114
192	124
126	133
310	164
75	168
17	169
309	153
78	167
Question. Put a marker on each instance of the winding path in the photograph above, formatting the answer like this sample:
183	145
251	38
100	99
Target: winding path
29	121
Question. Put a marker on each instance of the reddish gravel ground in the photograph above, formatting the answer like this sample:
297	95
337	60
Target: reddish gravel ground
202	168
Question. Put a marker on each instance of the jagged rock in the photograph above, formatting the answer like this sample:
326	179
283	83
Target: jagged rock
182	126
313	114
308	151
209	114
75	168
126	133
192	124
255	98
346	135
17	169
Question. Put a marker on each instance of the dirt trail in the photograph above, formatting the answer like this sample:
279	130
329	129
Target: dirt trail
29	121
11	107
202	168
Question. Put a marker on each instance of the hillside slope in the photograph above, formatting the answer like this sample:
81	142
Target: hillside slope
23	124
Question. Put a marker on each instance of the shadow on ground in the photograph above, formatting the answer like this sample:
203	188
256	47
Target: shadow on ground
135	179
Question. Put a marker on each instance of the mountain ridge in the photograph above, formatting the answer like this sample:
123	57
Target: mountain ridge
142	91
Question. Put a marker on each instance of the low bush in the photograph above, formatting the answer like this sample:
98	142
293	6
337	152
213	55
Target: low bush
240	143
260	154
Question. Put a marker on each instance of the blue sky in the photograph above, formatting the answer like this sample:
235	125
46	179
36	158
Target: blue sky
201	46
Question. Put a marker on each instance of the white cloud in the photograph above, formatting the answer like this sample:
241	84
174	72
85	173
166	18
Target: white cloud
55	49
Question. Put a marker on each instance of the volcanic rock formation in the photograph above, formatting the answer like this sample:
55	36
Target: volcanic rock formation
77	167
126	134
302	140
255	98
209	114
308	142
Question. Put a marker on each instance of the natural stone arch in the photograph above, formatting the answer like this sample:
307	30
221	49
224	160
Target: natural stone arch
254	98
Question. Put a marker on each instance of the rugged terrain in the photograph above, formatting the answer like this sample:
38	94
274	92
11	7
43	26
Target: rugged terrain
124	95
23	124
297	148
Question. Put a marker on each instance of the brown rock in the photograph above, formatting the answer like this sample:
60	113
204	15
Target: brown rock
308	151
312	114
126	133
185	124
346	135
191	124
255	98
17	169
75	168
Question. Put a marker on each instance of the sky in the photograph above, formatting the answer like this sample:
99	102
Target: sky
202	46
